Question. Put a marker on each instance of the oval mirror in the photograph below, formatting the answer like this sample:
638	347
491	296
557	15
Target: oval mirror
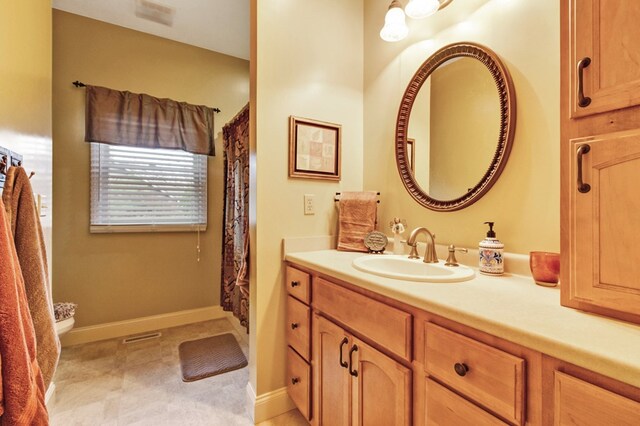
455	127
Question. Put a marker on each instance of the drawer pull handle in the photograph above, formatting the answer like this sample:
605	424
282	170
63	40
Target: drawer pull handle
295	380
294	325
353	372
582	187
342	363
583	101
461	369
295	283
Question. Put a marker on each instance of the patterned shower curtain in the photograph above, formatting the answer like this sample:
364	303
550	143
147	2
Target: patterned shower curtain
235	248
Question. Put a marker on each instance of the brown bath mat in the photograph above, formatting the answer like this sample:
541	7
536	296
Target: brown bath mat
210	356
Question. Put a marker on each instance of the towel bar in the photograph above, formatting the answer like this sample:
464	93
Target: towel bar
337	198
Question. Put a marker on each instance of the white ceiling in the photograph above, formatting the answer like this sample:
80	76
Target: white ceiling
218	25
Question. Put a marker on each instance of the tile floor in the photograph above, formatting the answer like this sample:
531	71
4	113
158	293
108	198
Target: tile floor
112	383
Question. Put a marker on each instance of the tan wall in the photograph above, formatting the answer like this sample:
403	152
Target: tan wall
308	62
524	203
25	92
115	277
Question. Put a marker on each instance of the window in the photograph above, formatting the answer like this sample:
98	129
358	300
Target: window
143	189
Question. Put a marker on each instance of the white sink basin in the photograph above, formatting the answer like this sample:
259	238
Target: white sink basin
403	268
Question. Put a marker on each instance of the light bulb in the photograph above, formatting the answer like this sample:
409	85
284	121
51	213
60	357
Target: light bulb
418	9
395	28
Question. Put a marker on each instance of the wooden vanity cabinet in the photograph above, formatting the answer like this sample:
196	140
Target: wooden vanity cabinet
377	361
600	157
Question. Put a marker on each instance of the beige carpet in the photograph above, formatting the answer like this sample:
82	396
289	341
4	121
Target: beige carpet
210	356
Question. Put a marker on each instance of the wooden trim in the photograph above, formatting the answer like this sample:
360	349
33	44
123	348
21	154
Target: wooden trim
506	93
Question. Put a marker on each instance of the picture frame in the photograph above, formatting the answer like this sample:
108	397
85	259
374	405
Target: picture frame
314	149
411	154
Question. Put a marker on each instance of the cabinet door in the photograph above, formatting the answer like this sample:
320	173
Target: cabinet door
607	33
580	403
381	387
605	224
332	393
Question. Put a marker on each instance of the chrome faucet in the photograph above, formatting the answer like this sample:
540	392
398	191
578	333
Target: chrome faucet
430	252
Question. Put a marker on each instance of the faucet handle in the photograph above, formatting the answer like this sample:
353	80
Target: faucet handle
413	254
451	259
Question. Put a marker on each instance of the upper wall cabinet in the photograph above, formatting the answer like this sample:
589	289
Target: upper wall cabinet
600	157
604	54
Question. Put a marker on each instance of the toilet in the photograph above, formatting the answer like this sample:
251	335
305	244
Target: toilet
64	313
64	326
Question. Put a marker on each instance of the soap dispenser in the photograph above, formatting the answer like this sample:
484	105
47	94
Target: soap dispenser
491	253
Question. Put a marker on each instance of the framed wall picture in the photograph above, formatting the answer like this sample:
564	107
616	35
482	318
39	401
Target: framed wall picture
411	154
314	149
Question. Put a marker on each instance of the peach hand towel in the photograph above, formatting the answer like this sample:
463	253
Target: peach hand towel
357	212
29	240
22	391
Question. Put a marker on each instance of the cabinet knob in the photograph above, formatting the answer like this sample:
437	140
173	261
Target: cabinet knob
461	369
295	283
294	325
295	380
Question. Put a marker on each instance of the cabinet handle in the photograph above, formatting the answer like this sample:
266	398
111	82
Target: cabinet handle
294	325
342	363
582	187
295	380
353	372
583	101
295	283
461	369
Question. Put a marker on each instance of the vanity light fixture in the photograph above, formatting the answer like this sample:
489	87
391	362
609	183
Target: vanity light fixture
395	27
419	9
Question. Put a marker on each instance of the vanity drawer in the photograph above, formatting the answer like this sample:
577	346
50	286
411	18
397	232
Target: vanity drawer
385	325
488	376
582	403
446	408
298	284
298	330
299	382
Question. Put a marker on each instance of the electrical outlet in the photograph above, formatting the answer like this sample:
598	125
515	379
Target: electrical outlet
309	204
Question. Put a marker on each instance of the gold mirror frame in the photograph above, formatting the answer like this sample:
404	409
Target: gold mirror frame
507	97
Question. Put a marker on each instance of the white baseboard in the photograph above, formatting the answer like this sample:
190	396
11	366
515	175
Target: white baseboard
112	330
267	405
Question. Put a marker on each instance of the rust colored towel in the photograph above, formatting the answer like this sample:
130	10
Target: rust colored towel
357	213
27	234
22	390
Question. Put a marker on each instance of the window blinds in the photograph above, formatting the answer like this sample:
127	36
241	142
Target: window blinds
137	189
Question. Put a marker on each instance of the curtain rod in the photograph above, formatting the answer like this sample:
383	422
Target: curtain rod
81	84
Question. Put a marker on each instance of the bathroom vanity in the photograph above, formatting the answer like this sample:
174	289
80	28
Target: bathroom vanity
371	350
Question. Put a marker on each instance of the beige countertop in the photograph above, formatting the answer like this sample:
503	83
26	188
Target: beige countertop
512	307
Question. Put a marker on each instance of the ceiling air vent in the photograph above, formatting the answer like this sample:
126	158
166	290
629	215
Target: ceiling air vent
155	12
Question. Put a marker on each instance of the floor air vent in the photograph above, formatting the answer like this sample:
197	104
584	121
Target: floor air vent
141	337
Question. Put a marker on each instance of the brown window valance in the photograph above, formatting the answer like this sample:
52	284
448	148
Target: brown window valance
125	118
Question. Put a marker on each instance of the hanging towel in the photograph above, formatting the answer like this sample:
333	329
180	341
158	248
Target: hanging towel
357	213
22	388
27	234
